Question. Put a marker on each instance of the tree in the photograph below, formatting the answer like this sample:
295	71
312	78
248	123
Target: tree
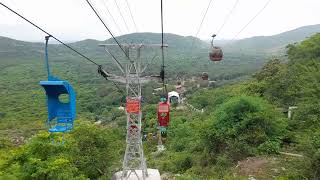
242	125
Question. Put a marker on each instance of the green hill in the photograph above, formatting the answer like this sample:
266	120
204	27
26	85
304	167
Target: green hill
243	132
242	57
275	43
14	48
21	49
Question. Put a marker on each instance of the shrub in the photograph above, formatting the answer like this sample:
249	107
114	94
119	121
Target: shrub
242	125
87	152
269	147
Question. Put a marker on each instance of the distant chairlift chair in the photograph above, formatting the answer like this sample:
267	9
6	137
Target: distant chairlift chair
61	115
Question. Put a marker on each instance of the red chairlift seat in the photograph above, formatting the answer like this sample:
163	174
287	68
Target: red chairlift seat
163	114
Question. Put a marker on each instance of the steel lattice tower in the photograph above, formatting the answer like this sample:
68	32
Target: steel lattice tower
134	159
134	156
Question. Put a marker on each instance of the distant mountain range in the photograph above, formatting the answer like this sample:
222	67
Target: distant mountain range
10	48
241	57
276	43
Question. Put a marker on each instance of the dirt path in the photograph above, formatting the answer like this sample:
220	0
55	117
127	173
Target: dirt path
262	168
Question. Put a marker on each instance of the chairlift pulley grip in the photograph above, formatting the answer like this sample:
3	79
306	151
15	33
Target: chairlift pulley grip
162	74
47	37
103	73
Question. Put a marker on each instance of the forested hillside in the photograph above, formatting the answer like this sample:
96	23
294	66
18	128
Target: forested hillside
242	57
243	132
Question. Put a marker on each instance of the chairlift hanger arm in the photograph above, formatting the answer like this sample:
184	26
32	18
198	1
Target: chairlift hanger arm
213	36
115	59
147	65
126	46
46	56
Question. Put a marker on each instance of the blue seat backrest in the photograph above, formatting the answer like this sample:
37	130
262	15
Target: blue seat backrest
57	109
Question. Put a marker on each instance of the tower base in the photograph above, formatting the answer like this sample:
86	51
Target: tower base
153	174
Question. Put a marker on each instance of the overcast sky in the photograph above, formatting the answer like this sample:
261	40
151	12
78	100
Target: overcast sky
72	20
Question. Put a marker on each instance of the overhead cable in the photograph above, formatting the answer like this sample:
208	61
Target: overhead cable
104	24
203	18
125	23
134	22
41	29
251	20
66	45
112	18
200	26
228	16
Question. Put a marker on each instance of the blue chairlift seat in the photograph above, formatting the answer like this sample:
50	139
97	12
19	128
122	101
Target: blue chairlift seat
61	115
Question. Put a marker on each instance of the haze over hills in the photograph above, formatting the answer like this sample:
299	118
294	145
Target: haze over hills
276	43
15	48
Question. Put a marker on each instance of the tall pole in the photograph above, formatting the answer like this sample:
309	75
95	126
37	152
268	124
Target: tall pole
134	160
162	73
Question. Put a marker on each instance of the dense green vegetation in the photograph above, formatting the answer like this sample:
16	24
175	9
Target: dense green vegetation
240	120
245	120
242	58
86	153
